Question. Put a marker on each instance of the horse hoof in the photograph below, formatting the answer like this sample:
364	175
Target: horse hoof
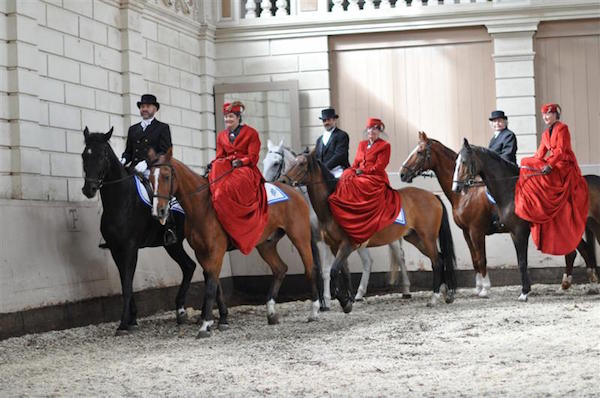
324	309
523	297
450	296
406	296
484	293
347	308
181	319
359	298
273	319
565	286
203	334
122	332
223	326
312	318
593	290
435	299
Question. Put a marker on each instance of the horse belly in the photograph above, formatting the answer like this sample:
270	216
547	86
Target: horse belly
388	235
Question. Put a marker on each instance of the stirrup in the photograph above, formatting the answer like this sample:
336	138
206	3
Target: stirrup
169	237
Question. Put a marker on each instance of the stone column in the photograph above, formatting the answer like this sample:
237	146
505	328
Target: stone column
132	60
23	106
515	84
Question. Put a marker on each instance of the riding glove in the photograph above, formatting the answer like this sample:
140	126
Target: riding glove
546	169
358	172
141	166
236	163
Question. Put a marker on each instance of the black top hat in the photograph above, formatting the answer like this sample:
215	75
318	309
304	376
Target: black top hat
148	99
498	115
328	113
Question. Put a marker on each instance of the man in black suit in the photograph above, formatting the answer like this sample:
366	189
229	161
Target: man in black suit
332	145
504	141
149	133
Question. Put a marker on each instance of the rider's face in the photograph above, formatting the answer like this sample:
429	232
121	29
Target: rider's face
147	111
328	124
373	133
231	121
498	124
549	118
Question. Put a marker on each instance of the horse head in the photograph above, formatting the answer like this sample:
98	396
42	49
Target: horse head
274	161
298	174
418	161
163	182
467	167
97	157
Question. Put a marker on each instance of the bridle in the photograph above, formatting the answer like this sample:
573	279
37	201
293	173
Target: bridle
281	164
100	181
419	168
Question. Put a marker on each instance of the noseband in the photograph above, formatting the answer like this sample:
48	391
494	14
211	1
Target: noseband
171	178
419	169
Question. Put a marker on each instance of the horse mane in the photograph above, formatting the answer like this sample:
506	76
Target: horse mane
514	169
445	150
328	178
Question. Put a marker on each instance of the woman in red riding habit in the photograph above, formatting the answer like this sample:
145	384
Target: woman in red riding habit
237	186
555	202
363	202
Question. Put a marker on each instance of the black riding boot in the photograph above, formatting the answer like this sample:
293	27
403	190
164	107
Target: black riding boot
170	236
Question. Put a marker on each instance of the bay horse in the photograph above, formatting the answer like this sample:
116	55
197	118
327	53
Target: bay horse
426	223
500	177
471	209
277	162
171	178
127	224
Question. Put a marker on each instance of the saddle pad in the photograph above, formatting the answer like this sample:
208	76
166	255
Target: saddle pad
275	194
143	194
490	197
401	219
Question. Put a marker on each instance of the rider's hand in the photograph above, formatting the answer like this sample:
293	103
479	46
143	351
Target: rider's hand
141	166
236	163
546	169
358	172
123	161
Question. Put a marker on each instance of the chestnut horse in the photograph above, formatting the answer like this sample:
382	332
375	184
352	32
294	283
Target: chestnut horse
426	222
277	161
501	177
171	178
472	210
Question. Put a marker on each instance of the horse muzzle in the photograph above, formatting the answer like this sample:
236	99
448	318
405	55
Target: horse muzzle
89	190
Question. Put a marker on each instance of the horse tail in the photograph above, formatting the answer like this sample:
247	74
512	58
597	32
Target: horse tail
591	241
447	249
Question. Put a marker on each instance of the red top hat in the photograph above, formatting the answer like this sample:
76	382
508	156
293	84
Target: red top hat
547	108
233	107
374	122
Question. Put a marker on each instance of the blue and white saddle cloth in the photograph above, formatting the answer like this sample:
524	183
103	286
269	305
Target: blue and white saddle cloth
275	194
143	194
401	219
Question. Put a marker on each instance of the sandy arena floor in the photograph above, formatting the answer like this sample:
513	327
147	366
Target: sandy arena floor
387	346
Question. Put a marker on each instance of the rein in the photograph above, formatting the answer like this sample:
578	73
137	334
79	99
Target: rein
101	182
471	182
197	190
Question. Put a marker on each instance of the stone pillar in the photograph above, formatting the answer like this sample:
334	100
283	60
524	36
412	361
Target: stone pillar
23	106
132	60
515	84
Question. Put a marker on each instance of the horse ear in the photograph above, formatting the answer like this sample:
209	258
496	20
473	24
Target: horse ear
86	133
269	144
109	134
422	136
280	144
306	151
467	145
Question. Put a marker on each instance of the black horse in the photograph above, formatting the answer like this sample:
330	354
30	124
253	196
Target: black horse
500	177
127	223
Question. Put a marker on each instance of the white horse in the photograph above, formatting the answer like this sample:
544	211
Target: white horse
275	164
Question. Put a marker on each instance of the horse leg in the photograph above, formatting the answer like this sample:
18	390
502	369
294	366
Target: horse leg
430	250
592	228
268	252
367	263
585	250
314	248
328	260
188	266
398	261
211	283
520	239
223	323
479	258
300	241
342	286
126	260
472	251
567	278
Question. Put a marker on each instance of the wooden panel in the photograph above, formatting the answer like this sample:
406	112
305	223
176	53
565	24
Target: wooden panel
447	90
567	71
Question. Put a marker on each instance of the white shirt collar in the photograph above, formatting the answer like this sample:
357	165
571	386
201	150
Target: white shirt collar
146	122
496	133
327	136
